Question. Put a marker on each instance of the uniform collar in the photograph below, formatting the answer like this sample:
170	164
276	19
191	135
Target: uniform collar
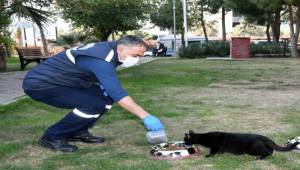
113	45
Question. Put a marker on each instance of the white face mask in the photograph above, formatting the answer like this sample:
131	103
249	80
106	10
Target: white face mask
130	61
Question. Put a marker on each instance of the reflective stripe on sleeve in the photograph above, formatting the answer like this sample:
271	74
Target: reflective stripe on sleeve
70	56
110	56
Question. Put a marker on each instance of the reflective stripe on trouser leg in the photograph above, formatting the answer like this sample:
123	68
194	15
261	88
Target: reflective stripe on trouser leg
108	107
84	115
70	124
92	123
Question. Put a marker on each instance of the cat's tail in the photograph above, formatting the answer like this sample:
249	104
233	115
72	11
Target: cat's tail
281	148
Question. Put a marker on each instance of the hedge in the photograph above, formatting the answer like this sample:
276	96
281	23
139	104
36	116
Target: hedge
206	49
222	49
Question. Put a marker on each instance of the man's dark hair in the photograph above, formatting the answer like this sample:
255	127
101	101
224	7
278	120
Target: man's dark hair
130	40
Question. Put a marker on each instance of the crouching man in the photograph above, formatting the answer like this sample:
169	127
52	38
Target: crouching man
84	79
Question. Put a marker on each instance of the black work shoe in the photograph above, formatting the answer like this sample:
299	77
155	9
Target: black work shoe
56	145
86	138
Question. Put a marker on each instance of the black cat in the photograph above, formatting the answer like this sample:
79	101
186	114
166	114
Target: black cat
236	143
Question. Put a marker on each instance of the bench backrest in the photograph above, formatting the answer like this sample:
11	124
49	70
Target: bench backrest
29	52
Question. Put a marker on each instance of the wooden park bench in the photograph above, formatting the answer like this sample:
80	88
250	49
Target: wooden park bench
30	54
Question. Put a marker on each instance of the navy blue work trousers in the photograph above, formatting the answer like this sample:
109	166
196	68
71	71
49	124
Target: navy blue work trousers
87	104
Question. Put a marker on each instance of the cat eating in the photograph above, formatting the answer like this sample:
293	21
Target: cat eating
236	143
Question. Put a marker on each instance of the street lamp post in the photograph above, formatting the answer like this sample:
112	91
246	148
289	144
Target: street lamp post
174	27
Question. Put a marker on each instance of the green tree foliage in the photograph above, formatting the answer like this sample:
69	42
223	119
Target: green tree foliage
252	13
274	7
31	9
4	20
4	34
163	15
74	38
103	17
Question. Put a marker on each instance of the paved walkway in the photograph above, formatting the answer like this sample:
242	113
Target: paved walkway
11	84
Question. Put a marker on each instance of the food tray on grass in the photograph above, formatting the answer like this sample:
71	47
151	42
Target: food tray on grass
173	150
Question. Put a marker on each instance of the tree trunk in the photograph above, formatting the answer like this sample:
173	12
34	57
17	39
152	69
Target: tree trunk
104	35
223	24
45	49
294	34
182	38
276	26
268	32
2	58
203	25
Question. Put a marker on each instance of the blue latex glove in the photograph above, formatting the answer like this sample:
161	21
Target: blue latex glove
152	123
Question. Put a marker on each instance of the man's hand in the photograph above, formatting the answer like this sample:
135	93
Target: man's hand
152	123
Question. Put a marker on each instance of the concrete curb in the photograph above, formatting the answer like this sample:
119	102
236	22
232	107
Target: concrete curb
13	100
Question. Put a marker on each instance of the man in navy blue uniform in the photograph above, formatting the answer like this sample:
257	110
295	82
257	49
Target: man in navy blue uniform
84	79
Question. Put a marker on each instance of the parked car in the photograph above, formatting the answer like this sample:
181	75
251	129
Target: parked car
168	41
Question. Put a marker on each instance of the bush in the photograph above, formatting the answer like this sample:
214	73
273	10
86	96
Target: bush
269	49
73	39
8	43
206	49
222	49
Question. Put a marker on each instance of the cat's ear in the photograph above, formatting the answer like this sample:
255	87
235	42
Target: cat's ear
191	132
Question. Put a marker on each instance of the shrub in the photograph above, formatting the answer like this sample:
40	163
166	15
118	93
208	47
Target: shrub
8	43
73	39
206	49
268	49
222	49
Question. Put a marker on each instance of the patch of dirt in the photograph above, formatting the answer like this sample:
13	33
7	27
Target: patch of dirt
260	98
239	107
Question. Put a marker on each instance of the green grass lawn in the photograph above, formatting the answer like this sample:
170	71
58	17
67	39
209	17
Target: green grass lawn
257	96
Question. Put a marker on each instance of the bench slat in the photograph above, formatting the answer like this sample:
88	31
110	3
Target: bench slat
30	54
